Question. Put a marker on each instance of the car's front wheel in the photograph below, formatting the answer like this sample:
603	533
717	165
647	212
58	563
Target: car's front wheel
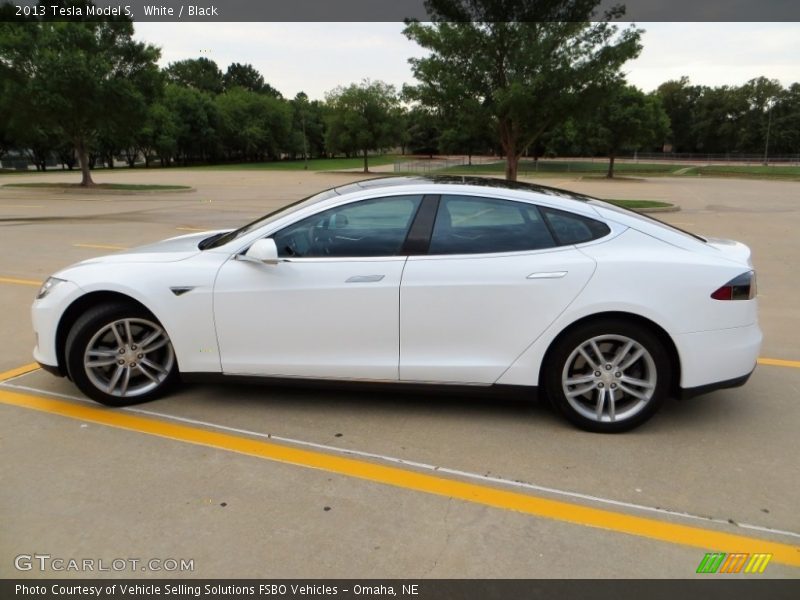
608	376
119	354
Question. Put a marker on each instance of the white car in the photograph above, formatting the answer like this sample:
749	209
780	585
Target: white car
418	280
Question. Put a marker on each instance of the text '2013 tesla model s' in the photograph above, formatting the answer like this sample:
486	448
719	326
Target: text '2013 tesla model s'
434	280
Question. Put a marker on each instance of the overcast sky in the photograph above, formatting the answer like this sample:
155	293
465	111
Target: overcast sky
316	57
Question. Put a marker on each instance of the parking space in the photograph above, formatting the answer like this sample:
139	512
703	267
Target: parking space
281	482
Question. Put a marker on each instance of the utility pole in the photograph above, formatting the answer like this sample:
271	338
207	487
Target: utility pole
305	146
766	142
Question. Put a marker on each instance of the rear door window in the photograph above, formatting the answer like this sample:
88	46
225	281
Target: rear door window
477	225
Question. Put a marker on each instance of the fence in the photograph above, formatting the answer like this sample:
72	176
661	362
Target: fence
428	165
699	157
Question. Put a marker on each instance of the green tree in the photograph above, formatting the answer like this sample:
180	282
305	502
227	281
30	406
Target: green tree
467	129
719	119
201	74
362	118
679	99
423	127
530	64
74	79
159	135
252	125
761	95
195	118
247	76
627	118
785	130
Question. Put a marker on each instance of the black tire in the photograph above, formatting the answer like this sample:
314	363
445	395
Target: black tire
611	337
89	328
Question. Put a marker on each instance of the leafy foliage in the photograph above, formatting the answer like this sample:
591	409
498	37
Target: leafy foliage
75	80
362	118
627	119
530	65
201	74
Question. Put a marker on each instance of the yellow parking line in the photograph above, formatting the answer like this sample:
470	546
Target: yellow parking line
100	246
779	362
190	229
35	282
19	371
412	480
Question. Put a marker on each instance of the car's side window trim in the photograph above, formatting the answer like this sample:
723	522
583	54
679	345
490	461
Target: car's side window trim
418	239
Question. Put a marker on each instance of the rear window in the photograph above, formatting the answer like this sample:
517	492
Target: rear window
569	228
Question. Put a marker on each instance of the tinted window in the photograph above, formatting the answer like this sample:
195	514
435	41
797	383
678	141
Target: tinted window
570	228
374	227
472	225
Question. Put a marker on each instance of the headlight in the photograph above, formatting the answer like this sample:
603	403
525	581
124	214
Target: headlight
48	286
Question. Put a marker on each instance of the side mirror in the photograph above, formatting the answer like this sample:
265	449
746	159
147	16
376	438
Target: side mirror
263	250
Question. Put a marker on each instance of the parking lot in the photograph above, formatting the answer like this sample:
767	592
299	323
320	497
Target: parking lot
258	481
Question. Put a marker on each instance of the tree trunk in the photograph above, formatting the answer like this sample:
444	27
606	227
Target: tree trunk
509	144
366	166
610	174
512	165
83	157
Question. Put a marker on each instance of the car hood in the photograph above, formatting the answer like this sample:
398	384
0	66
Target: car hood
170	250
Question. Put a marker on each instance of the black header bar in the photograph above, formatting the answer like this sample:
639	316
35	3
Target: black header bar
386	10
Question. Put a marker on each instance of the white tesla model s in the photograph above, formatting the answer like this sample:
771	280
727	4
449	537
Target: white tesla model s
418	280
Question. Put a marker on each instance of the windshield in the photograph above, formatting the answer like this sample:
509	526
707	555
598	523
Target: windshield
645	217
217	240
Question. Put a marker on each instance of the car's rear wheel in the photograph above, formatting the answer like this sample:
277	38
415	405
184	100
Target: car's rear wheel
119	354
608	376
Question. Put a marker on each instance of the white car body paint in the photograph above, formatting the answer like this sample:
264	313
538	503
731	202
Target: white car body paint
478	318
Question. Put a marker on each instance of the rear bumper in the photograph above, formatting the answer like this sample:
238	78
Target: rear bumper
686	393
718	359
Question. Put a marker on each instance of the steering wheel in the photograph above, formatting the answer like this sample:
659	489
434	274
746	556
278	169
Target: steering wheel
319	240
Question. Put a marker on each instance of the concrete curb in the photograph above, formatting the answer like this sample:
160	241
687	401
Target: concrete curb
95	191
658	209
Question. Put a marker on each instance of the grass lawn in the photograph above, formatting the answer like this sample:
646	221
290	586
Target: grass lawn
638	204
598	169
768	172
561	167
103	186
315	164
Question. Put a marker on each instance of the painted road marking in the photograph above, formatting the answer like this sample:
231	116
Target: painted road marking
18	372
190	229
37	283
101	246
411	480
779	362
418	465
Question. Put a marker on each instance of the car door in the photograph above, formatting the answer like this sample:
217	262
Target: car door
493	279
330	307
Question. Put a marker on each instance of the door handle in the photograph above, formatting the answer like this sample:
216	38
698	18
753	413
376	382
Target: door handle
547	275
364	278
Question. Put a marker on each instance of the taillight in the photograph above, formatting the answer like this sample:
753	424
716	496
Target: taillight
742	287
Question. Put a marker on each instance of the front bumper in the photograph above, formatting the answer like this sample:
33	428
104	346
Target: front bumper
45	315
